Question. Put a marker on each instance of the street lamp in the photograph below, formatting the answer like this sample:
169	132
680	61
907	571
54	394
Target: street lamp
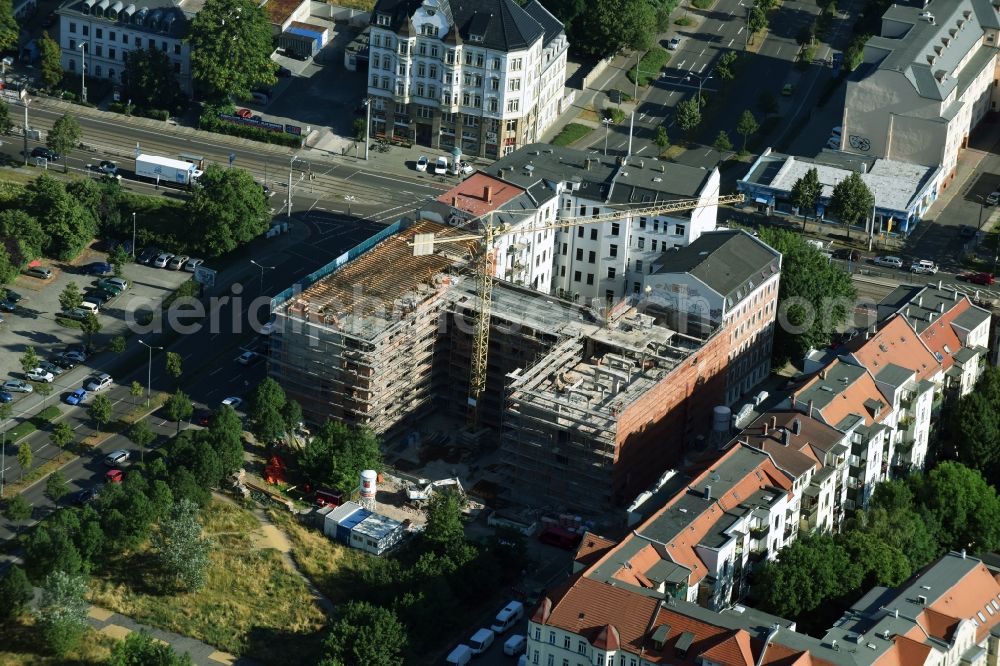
290	163
368	123
83	71
701	80
262	269
149	369
26	102
607	130
133	235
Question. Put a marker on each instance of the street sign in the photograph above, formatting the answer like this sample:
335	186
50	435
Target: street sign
232	158
205	276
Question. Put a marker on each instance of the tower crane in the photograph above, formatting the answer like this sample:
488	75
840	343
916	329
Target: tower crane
423	244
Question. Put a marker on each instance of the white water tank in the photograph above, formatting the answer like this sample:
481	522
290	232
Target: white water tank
369	478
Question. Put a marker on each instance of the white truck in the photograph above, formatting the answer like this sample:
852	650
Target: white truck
166	170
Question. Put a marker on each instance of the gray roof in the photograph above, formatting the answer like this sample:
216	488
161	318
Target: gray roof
552	26
894	375
917	305
156	17
501	25
830	384
971	318
641	182
731	262
928	53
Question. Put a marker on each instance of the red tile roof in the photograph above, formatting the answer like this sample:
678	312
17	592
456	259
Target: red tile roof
850	400
480	193
897	343
940	334
969	597
734	649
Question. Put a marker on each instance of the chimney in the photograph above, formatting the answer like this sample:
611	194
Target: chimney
765	429
454	201
920	300
786	436
774	422
488	194
930	317
796	427
940	308
708	493
963	553
810	412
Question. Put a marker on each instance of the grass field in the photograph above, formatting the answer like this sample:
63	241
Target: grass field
21	647
252	604
571	133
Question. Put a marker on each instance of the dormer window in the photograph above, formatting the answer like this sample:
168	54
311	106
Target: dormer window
429	30
475	38
381	19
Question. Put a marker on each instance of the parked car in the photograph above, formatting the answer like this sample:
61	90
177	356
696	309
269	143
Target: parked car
177	262
441	166
84	496
13	296
481	641
993	198
889	261
923	266
98	268
39	375
162	260
233	402
99	383
108	168
45	153
192	265
979	278
248	358
5	396
48	366
787	89
515	645
674	44
148	254
63	362
7	306
76	314
422	162
112	288
121	283
76	355
508	616
847	255
116	458
114	476
244	113
17	386
96	299
75	397
41	272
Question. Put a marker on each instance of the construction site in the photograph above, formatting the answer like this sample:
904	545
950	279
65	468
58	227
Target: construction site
581	408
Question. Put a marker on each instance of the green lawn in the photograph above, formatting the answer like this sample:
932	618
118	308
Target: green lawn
570	134
650	66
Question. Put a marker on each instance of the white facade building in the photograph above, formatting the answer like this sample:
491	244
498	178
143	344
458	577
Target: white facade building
482	77
108	29
930	82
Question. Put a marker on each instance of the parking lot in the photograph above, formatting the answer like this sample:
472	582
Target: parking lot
34	323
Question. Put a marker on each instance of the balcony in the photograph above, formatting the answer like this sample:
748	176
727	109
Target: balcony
759	531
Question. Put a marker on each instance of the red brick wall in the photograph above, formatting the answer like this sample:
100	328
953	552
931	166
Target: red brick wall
656	430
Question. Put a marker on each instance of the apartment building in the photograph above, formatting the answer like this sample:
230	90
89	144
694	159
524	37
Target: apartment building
484	77
926	82
98	34
524	253
946	615
729	279
605	261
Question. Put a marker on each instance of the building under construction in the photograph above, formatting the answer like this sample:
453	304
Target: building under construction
588	407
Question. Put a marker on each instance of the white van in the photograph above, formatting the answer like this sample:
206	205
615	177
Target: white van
481	641
460	656
89	307
507	617
515	645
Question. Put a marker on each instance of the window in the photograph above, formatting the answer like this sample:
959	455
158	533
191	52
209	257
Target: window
513	105
615	228
421	70
111	53
611	272
641	243
399	89
434	52
433	71
593	230
635	287
99	33
72	63
579	230
591	256
590	280
466	99
420	90
97	71
496	63
579	254
381	19
514	85
638	265
653	244
450	57
98	51
564	248
576	278
422	49
494	83
86	30
177	67
72	47
111	74
679	230
113	36
72	28
516	64
566	642
511	125
656	225
613	250
124	38
479	60
377	40
562	271
642	223
163	46
432	92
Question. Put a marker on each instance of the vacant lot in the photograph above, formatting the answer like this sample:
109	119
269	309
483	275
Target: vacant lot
21	647
253	603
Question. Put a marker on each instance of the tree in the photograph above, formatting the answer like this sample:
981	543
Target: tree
63	137
767	103
32	238
609	26
142	435
117	344
69	225
852	201
9	29
62	612
6	124
854	54
15	593
975	426
231	49
91	326
100	410
722	142
360	127
757	21
726	65
8	268
229	205
806	192
135	390
17	509
150	81
662	138
173	364
814	297
961	508
366	634
291	414
178	407
268	425
806	34
746	126
118	258
29	359
24	457
61	435
338	453
268	395
56	486
688	115
71	296
141	649
181	549
881	563
51	60
444	530
226	438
